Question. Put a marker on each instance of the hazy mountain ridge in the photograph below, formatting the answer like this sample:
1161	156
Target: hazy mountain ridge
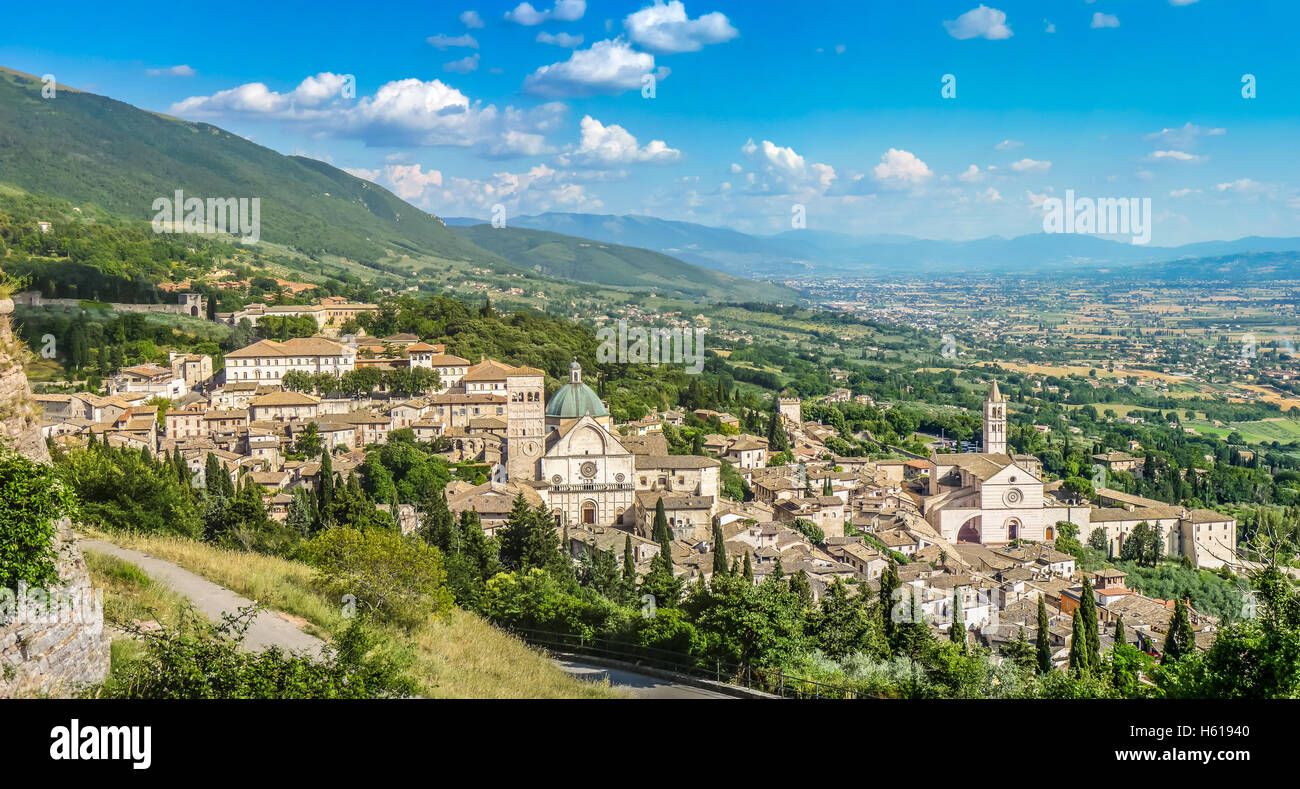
802	252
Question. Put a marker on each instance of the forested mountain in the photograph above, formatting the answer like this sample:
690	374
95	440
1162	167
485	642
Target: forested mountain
92	149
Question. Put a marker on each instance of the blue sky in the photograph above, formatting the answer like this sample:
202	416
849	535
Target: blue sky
758	106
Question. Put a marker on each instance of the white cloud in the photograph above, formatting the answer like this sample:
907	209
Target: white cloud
442	41
1030	166
1185	135
1100	20
560	40
1183	192
1242	186
1009	145
173	71
1050	28
602	145
463	66
539	189
982	22
972	175
564	11
403	112
1177	156
471	19
1181	2
408	182
665	28
608	67
900	168
991	195
779	170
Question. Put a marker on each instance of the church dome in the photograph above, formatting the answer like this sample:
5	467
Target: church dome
575	399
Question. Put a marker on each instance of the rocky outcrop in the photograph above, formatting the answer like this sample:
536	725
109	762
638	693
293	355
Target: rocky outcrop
59	653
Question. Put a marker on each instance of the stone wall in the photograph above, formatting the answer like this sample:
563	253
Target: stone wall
40	658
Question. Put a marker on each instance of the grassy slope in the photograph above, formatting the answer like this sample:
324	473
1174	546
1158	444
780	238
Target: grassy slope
461	657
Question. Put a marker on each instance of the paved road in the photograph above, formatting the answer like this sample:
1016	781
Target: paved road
639	684
268	629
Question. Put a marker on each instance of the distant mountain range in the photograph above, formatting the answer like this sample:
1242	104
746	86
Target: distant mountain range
802	252
603	263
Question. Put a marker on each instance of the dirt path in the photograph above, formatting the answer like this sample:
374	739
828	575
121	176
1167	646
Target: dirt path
270	628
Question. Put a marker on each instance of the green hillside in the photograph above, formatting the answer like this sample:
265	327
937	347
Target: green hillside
91	149
583	260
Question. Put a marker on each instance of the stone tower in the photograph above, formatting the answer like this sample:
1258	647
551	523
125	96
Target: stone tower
525	423
995	422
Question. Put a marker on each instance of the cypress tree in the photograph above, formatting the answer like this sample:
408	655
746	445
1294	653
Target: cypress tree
827	490
889	583
748	569
660	531
629	568
1043	642
1088	611
778	572
1119	631
1181	638
719	549
1078	646
325	483
958	630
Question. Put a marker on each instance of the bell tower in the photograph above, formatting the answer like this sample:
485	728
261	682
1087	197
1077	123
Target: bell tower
995	422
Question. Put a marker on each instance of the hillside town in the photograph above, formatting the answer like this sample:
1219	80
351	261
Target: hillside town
971	528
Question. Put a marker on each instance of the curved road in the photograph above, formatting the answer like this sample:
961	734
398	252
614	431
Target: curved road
640	685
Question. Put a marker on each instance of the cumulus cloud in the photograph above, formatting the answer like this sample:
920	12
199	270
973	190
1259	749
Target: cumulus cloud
402	112
442	41
666	29
602	145
972	175
471	19
608	67
171	71
1031	166
560	39
982	22
901	169
539	189
564	11
1100	20
779	170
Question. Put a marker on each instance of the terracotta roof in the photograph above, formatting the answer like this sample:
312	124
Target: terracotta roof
284	398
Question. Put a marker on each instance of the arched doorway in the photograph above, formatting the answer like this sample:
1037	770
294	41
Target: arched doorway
1013	528
969	531
589	512
1051	533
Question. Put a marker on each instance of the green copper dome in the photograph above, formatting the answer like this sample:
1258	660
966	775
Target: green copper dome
575	399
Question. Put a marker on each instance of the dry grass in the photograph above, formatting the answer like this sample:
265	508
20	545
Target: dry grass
460	656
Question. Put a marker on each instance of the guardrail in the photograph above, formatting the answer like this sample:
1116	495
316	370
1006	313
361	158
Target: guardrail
774	681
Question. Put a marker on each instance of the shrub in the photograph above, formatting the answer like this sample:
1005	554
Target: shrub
200	660
395	578
32	500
